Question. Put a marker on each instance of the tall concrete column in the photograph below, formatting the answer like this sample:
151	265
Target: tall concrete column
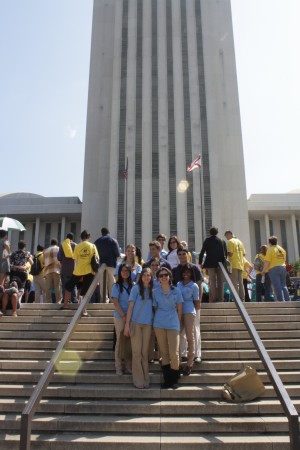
267	226
36	233
295	237
195	120
115	121
163	141
182	229
131	116
63	228
147	127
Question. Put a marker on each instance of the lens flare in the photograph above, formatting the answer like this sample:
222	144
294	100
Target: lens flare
69	363
183	186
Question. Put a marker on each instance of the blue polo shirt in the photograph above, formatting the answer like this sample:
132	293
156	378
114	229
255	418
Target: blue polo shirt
190	294
142	311
166	316
123	298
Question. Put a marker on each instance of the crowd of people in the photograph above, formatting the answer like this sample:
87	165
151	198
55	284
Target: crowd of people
156	301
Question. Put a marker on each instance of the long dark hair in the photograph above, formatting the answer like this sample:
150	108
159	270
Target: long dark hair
120	281
141	285
174	238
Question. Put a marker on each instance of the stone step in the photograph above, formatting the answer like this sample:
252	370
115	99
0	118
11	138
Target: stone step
148	424
95	355
195	378
51	345
259	326
55	335
236	335
255	319
22	319
206	366
47	354
149	407
209	345
156	441
129	392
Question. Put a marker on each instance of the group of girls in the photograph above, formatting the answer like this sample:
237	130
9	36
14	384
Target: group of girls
153	303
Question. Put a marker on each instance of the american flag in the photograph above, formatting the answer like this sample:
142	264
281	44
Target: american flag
195	164
126	170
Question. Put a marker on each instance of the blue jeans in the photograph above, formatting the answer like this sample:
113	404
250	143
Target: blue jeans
260	287
278	280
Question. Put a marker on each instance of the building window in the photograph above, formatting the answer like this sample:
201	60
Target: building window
271	228
283	236
257	235
47	235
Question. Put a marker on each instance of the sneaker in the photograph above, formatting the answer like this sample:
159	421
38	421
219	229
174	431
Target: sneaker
14	314
197	360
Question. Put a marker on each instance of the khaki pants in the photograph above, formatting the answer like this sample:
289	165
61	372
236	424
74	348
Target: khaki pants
119	327
216	289
39	288
105	291
140	347
237	280
168	342
53	280
188	331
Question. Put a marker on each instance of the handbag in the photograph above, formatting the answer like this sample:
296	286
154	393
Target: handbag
228	266
95	263
125	347
244	386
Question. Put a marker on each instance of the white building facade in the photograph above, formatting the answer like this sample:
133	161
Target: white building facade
163	90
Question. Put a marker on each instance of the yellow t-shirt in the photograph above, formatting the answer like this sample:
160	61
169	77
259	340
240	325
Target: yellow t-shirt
236	247
263	258
246	272
275	256
83	253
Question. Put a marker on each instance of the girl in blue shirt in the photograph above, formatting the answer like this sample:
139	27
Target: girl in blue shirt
167	303
190	294
120	296
130	261
138	326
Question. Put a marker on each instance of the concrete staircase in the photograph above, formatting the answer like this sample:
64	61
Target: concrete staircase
87	406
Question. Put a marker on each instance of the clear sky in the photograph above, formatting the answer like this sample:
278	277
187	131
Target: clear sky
45	52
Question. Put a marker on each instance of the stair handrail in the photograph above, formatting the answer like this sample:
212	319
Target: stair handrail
39	390
279	388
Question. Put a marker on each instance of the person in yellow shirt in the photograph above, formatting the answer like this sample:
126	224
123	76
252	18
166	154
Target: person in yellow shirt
83	272
275	263
236	252
262	282
246	276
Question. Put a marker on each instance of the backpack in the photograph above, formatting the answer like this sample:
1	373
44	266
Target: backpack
258	264
36	267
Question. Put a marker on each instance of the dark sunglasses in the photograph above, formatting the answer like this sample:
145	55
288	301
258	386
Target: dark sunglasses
162	275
